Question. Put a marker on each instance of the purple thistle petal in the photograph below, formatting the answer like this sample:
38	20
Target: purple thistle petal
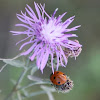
60	17
74	43
29	50
26	17
72	29
37	9
71	35
45	12
61	61
21	18
35	52
40	58
35	18
62	52
52	63
57	54
54	12
47	35
17	32
67	46
68	21
25	44
42	10
22	40
44	60
31	15
23	25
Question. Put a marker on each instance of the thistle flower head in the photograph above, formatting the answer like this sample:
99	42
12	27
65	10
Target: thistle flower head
47	35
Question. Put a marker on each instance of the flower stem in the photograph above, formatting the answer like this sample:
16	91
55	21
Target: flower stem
32	84
18	82
35	94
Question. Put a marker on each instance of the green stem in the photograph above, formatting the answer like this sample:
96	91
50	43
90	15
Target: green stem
37	93
19	81
34	83
34	94
21	77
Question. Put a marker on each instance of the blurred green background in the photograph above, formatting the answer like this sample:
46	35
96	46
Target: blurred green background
85	71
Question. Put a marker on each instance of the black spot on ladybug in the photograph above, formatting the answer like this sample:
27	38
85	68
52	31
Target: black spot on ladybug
57	72
58	82
54	77
63	74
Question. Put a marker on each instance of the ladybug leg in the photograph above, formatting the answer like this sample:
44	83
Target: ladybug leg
52	85
57	89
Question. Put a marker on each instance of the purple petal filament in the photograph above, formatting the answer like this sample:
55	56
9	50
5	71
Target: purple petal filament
48	36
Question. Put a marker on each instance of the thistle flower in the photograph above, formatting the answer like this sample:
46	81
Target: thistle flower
73	53
47	35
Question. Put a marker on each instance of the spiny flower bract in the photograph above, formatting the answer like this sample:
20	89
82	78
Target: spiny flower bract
47	35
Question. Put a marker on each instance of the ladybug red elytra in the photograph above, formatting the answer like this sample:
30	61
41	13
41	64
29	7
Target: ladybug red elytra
58	78
61	82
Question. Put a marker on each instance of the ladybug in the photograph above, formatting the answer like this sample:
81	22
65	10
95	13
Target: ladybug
58	78
61	82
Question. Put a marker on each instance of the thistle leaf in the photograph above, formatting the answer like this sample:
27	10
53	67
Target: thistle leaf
15	63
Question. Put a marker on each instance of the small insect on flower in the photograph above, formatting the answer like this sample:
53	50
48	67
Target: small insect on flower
61	82
47	36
